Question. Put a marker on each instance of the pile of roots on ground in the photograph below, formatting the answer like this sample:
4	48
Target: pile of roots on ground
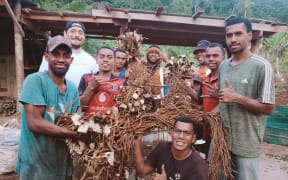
7	105
109	152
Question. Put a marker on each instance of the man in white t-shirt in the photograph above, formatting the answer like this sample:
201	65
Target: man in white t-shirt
83	62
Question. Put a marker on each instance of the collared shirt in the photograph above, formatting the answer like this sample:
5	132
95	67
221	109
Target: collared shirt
209	103
203	71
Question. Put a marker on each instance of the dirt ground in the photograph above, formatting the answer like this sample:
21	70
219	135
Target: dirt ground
282	98
273	164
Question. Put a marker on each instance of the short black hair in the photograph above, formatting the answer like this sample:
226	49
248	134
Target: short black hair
212	45
197	128
237	20
119	50
105	47
186	119
123	51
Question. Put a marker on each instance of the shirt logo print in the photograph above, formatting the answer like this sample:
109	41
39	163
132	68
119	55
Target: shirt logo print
244	81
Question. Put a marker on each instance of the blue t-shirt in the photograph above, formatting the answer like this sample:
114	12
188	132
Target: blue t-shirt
122	74
41	156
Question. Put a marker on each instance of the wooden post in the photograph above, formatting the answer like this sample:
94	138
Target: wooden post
18	40
257	43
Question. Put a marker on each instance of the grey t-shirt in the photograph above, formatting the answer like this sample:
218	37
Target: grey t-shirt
254	79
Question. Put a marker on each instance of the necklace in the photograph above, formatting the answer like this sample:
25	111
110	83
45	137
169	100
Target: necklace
178	175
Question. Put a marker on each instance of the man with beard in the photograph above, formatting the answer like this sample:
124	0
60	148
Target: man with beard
43	153
98	90
83	63
246	96
173	160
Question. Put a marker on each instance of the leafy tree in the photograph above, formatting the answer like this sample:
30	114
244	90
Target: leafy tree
243	8
275	49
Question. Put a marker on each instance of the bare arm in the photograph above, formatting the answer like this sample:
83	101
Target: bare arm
191	92
36	123
229	95
86	97
142	168
95	82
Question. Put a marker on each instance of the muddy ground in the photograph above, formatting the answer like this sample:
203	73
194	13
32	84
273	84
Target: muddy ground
273	164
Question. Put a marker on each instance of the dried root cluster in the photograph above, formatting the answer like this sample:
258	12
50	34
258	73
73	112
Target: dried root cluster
7	106
182	67
109	153
131	42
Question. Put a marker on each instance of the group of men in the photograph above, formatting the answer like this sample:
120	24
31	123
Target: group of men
240	88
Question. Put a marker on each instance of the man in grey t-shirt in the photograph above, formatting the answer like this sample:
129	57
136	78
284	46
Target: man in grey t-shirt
246	96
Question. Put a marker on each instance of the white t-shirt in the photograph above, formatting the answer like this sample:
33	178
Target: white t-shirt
83	63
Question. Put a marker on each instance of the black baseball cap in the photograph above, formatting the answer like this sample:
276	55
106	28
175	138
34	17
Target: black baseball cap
70	24
201	45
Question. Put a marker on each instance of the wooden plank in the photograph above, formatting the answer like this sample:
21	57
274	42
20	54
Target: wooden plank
180	19
197	14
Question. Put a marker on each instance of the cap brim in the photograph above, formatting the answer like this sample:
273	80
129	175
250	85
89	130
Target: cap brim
198	49
55	46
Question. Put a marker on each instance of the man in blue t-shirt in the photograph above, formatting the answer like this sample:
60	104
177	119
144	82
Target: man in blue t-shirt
45	95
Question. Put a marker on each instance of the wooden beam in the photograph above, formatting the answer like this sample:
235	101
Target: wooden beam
209	22
13	17
19	62
57	18
197	14
26	11
159	10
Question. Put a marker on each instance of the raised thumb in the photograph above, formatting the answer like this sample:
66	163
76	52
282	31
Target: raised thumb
163	169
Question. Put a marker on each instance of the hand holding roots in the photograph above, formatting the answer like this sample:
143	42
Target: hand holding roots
110	151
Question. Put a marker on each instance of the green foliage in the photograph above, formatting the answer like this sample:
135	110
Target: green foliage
277	47
92	45
275	10
244	8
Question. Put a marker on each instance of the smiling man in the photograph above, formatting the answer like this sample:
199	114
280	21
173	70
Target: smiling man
83	62
43	153
98	90
173	160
